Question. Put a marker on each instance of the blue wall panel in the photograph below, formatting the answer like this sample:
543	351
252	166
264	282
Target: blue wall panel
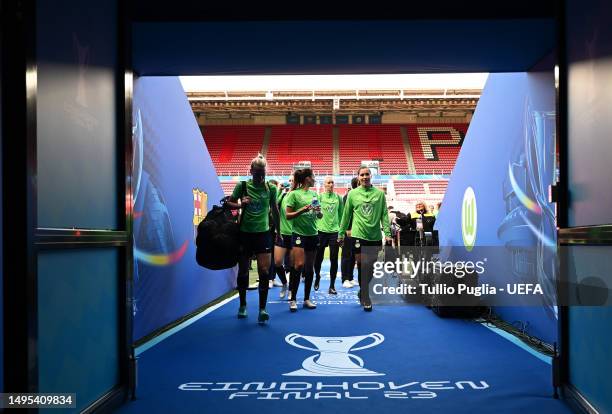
175	184
78	316
590	363
589	121
589	54
507	159
76	109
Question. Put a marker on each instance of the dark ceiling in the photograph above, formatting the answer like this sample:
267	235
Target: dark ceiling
202	10
186	37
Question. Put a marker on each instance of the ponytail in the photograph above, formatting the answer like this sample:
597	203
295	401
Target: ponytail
299	177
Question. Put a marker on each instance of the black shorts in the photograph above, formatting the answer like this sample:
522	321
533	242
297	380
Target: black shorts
284	242
255	243
308	243
359	243
328	239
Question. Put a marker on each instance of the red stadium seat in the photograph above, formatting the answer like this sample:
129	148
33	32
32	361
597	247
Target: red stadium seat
372	142
232	147
434	148
435	158
290	144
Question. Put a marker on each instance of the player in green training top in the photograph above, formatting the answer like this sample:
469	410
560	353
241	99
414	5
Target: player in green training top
256	198
331	207
367	206
303	209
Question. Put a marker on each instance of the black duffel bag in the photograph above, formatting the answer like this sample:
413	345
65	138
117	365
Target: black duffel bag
218	239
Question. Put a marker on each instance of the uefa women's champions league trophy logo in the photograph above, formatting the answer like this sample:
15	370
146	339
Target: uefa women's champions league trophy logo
540	163
334	358
530	217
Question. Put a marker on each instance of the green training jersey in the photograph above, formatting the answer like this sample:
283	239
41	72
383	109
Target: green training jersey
285	225
255	217
306	223
368	209
331	207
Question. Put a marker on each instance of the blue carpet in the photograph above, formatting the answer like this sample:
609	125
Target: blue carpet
428	364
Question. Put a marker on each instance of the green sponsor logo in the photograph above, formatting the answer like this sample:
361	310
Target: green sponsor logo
469	219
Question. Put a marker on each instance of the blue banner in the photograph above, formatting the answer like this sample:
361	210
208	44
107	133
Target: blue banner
500	182
174	185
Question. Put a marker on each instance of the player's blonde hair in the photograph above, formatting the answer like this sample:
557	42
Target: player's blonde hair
259	162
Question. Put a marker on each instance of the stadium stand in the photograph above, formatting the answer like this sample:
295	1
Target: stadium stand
372	142
228	187
408	187
422	187
408	192
233	147
437	187
290	144
435	147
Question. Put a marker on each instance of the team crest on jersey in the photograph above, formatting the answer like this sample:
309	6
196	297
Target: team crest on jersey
330	208
255	206
367	209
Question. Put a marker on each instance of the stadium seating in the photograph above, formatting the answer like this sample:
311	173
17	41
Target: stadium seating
437	186
408	187
420	186
233	147
290	144
228	186
435	147
409	192
372	142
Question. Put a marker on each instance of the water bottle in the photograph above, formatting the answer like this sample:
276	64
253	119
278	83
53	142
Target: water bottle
316	206
419	226
419	223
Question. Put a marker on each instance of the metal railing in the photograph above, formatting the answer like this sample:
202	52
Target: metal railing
385	171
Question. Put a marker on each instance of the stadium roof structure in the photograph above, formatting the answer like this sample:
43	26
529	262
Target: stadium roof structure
340	102
371	94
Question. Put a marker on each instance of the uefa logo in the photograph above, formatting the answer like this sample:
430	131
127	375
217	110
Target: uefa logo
333	355
469	221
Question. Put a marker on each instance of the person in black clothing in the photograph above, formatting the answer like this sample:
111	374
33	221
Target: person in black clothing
347	261
282	248
273	232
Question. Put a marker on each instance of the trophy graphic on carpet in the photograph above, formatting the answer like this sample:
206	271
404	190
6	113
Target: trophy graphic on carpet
334	358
